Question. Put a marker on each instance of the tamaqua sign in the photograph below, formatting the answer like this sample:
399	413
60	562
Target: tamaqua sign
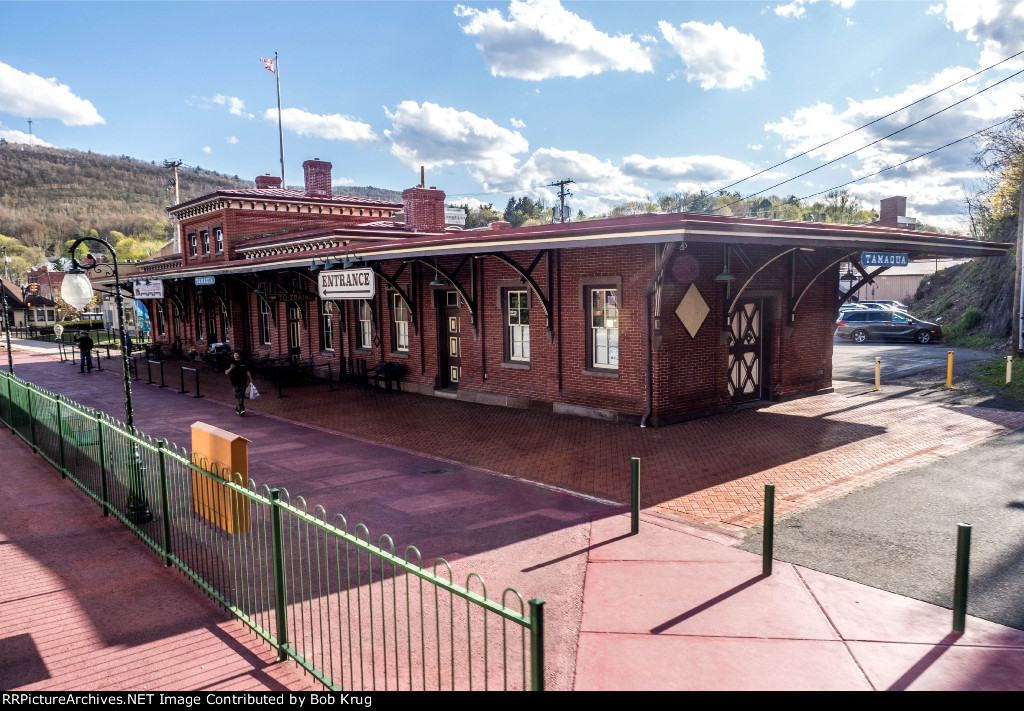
347	284
206	281
148	289
884	259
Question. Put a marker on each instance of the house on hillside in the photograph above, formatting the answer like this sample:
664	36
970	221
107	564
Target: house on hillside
644	319
27	308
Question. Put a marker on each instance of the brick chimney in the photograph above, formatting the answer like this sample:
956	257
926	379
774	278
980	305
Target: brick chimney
501	225
318	178
892	212
424	209
268	182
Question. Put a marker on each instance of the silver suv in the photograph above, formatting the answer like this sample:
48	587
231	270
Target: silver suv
861	326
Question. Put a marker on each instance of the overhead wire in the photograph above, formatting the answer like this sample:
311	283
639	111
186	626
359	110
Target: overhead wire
868	145
909	160
869	123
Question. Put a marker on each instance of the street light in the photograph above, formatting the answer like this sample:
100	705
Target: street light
7	320
76	290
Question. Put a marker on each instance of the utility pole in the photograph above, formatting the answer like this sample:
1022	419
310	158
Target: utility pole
30	132
173	165
562	194
1018	287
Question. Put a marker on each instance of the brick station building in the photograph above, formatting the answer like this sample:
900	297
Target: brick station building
644	319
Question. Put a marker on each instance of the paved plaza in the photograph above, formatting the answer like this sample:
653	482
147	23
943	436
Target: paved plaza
664	609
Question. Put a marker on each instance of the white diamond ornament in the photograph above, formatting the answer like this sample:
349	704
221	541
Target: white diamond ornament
692	311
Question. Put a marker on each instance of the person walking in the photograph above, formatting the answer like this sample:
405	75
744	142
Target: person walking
240	377
85	346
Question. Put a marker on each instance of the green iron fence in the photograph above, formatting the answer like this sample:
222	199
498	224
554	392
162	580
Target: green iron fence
350	610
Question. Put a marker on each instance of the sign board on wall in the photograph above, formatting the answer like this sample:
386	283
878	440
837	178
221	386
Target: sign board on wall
149	289
206	281
884	259
347	284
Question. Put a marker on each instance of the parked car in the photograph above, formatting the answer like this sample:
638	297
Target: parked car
891	305
885	325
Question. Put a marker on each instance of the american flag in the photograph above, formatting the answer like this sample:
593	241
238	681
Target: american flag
268	64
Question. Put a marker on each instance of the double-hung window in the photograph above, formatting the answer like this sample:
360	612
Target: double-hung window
204	239
365	325
218	237
327	326
400	314
604	328
264	320
517	324
192	245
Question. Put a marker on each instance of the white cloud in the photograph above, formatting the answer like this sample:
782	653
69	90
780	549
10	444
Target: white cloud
755	146
692	173
541	39
474	203
934	9
343	181
235	105
333	127
33	96
432	135
997	26
232	139
716	56
796	9
516	123
14	136
207	149
793	10
931	183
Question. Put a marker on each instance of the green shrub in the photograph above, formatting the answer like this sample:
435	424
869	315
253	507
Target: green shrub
970	319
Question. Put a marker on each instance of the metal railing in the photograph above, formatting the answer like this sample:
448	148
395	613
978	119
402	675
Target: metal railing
349	610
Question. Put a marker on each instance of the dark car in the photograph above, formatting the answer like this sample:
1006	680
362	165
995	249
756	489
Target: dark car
860	326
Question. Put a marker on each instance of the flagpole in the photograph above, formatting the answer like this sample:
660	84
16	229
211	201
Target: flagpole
280	127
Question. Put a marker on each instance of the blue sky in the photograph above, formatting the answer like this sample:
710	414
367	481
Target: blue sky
628	99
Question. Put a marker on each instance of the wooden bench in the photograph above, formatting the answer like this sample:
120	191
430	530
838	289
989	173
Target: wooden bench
386	373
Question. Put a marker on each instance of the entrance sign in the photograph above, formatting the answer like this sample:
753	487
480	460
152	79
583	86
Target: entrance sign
884	259
149	290
348	284
206	281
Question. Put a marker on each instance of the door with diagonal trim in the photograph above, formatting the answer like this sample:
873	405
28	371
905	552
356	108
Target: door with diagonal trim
746	351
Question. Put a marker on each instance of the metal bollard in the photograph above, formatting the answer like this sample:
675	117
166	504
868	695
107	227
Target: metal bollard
963	564
1009	369
183	369
634	495
163	383
330	378
768	540
149	372
537	644
949	370
878	373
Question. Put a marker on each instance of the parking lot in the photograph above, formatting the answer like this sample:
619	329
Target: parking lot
856	361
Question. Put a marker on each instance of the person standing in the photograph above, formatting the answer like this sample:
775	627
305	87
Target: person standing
240	377
85	346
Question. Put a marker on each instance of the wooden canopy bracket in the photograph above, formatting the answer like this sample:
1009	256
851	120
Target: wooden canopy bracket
527	276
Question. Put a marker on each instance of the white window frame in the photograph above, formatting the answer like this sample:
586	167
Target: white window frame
204	239
604	327
400	319
327	326
365	315
264	322
517	325
218	236
193	245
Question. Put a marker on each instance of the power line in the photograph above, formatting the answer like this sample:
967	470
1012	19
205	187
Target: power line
870	123
909	160
868	145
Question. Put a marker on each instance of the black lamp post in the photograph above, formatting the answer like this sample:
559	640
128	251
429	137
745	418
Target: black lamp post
7	322
76	290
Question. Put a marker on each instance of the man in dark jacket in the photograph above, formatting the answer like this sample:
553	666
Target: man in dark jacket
85	346
238	373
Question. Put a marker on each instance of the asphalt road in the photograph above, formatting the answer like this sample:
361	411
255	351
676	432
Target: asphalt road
856	362
900	534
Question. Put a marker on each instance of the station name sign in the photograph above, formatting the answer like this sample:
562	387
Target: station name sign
884	259
206	281
148	289
348	284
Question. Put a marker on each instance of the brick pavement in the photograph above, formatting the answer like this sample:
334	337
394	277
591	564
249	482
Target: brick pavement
709	471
